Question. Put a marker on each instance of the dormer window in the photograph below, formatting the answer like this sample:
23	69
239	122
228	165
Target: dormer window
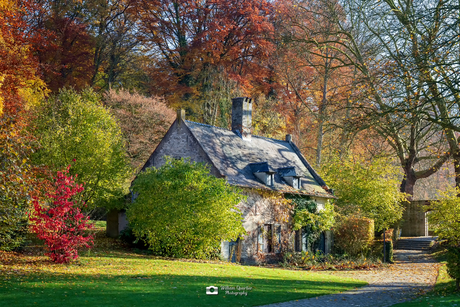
263	173
270	179
296	183
290	176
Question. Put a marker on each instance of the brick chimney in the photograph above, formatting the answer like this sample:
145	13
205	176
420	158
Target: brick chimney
242	117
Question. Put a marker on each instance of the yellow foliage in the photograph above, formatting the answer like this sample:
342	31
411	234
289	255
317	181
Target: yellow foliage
6	4
1	81
33	92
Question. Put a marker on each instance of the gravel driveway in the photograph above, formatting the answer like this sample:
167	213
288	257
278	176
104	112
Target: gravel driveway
413	273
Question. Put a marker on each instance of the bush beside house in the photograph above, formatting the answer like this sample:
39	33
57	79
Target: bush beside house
182	211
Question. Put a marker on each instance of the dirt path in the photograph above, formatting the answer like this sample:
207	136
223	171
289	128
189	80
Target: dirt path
413	273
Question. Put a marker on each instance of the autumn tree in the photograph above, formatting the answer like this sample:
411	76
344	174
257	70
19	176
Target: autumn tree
424	36
194	43
75	128
378	52
316	86
20	87
18	67
405	90
114	28
143	122
60	222
93	43
68	60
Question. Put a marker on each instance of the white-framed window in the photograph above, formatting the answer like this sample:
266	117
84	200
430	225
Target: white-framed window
269	238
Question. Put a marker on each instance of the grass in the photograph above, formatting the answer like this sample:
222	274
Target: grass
112	276
443	294
100	224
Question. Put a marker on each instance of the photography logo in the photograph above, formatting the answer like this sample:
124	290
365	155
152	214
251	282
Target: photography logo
211	290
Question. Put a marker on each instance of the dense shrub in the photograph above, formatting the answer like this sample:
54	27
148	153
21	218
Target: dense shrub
453	264
181	210
353	234
320	261
14	185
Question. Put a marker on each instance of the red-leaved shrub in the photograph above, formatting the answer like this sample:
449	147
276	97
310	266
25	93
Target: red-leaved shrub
60	223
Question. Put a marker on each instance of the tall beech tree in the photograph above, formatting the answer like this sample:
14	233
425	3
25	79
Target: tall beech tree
68	60
94	43
378	49
193	43
18	66
424	43
114	27
317	86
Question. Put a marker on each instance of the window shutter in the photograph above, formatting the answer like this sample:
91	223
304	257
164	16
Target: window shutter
260	240
304	246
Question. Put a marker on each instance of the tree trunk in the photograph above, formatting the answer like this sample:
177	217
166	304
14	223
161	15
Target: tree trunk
408	183
322	110
319	140
456	161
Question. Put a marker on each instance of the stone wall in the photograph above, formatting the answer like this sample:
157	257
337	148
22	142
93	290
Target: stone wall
259	209
179	143
415	222
266	208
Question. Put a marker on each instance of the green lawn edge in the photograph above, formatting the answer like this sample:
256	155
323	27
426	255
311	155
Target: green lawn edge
124	279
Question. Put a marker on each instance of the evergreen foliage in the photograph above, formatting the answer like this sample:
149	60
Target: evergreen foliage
181	210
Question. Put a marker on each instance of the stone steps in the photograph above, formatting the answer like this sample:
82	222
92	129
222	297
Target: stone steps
416	243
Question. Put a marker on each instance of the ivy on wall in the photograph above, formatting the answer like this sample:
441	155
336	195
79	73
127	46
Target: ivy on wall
307	217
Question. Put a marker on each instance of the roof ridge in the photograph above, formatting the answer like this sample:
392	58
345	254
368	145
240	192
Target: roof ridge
252	135
206	125
265	137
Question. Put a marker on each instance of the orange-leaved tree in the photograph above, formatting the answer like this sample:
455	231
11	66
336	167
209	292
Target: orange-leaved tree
18	66
194	43
19	87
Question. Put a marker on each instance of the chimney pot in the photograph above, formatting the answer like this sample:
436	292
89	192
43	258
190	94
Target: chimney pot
242	117
180	115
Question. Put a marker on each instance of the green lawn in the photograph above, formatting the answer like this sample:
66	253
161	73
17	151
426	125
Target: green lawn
110	277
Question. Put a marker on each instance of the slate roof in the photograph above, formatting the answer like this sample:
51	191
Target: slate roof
236	159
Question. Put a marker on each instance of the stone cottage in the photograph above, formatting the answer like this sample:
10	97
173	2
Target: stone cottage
264	168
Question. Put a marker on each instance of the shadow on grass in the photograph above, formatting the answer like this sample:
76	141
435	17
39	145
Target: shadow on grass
47	289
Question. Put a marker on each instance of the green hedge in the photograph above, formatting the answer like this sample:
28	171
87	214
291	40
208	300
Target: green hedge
353	235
